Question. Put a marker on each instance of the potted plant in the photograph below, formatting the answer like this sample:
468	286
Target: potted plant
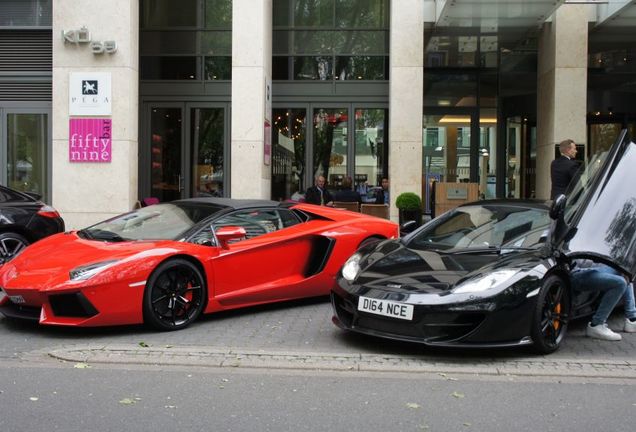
410	206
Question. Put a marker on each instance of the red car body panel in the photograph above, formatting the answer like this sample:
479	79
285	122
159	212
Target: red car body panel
268	268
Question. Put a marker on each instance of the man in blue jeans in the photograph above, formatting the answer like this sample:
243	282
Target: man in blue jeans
588	275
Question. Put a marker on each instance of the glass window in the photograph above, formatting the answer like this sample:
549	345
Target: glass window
36	13
165	151
289	133
168	13
27	165
256	222
207	131
313	42
216	43
362	13
169	68
371	151
218	14
218	68
174	42
314	13
330	144
281	68
448	89
361	42
362	68
313	68
488	153
323	34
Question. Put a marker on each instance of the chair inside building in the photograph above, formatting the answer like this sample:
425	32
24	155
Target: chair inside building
347	205
377	210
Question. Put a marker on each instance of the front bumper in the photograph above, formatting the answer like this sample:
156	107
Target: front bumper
484	323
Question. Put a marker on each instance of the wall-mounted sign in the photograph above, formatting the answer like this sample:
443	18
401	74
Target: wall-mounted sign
83	36
89	93
90	140
457	193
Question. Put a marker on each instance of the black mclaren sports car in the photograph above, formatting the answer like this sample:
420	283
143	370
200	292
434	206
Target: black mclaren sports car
496	273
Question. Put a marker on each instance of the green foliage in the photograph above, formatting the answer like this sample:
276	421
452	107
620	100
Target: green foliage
408	201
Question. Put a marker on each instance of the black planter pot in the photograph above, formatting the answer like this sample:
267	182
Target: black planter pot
411	215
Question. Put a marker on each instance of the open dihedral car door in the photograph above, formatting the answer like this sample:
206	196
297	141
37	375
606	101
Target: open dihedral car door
601	209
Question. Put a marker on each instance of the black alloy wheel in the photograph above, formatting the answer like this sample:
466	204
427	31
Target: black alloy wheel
551	315
175	295
10	245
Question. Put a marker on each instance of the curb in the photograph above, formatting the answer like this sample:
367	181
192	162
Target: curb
202	356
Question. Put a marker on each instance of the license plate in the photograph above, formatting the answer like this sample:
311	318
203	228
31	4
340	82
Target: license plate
17	299
386	308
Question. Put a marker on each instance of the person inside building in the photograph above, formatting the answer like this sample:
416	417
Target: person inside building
318	194
564	168
347	194
588	275
382	196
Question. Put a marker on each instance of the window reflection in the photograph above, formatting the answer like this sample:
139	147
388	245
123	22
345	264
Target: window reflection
208	139
371	151
288	153
330	145
27	137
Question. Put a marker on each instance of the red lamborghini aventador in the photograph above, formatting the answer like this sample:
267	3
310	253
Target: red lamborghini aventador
166	264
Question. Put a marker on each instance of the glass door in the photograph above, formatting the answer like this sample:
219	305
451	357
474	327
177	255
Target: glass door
25	150
450	149
185	151
166	152
207	148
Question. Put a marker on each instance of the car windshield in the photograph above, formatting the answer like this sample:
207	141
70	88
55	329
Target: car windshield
167	221
485	226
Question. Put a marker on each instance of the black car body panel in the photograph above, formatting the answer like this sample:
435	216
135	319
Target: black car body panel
477	276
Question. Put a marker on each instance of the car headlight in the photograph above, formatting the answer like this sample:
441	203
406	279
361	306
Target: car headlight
351	268
90	270
485	282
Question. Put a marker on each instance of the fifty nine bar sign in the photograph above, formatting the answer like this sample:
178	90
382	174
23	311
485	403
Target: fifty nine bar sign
90	140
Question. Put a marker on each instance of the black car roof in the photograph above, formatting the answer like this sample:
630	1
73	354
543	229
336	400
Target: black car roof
234	203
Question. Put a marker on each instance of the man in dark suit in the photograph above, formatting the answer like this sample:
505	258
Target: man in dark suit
564	168
318	194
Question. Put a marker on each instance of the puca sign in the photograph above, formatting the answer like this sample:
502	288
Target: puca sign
89	94
90	140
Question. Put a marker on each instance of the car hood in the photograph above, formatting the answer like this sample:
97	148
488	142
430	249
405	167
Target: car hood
49	261
394	266
600	213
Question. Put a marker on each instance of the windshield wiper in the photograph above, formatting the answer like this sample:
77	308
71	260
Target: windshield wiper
98	234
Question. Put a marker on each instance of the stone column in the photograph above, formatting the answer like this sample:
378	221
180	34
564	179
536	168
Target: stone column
406	99
562	87
251	72
86	192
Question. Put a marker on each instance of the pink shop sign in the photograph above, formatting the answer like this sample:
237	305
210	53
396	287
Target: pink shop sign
90	140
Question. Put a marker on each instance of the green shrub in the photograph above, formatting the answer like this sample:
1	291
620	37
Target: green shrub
408	201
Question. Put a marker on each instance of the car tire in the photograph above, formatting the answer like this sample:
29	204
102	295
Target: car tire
175	295
10	244
550	320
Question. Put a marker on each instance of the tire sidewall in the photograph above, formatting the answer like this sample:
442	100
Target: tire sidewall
148	314
540	345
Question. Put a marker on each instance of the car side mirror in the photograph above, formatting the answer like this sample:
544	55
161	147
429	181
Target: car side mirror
558	207
228	233
408	227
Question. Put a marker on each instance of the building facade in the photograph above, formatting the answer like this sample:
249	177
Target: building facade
104	103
